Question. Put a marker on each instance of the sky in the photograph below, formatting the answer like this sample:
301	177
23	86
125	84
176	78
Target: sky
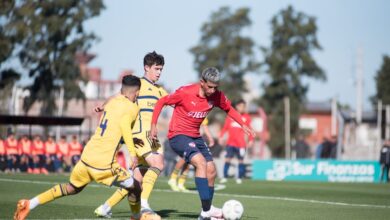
130	29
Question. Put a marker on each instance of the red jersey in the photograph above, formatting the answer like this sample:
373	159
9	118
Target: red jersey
190	109
75	148
236	135
11	146
2	148
51	147
25	146
38	148
63	149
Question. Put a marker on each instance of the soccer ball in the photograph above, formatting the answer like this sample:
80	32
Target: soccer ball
232	210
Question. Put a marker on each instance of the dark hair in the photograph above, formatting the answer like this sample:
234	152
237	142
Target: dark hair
237	102
131	81
153	58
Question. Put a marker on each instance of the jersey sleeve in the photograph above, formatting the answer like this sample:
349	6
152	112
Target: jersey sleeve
223	102
163	92
171	99
126	123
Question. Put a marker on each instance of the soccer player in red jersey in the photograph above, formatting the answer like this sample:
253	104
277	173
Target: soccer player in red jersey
3	156
191	104
39	158
63	154
51	150
75	149
236	143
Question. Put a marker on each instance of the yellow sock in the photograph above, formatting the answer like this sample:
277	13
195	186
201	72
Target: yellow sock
55	192
182	178
175	173
117	197
148	182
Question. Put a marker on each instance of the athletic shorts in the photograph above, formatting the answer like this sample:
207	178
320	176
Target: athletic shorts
232	151
150	147
82	174
187	147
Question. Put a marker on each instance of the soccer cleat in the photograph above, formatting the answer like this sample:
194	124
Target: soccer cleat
238	181
223	180
173	185
215	212
182	188
102	213
22	209
148	214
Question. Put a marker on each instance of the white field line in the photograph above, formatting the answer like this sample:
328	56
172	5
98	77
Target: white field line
226	195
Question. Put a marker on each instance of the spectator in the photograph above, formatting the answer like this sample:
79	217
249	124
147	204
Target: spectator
301	148
3	156
51	150
384	160
39	158
11	146
63	154
75	149
25	154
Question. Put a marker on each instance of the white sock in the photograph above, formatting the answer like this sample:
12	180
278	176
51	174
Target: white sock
106	207
34	203
144	203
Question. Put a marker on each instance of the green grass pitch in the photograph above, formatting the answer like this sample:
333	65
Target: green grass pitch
261	200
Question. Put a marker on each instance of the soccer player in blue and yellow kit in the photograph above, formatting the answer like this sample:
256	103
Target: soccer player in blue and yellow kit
98	161
150	155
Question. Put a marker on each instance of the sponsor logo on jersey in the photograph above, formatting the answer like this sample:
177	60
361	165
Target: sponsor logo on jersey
192	144
197	114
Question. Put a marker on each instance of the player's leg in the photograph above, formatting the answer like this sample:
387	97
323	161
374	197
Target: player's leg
78	180
228	158
183	178
211	175
241	166
175	173
155	161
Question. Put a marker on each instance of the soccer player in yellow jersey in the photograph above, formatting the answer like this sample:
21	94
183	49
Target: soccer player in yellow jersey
98	161
150	155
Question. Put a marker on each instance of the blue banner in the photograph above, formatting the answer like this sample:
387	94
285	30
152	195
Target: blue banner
316	170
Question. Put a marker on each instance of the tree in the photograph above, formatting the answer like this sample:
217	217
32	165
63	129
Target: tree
223	46
46	36
382	80
287	61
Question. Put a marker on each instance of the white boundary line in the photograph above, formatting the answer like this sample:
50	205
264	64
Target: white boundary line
226	195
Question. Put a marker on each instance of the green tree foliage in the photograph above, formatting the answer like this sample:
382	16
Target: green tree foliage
223	46
46	36
288	61
382	80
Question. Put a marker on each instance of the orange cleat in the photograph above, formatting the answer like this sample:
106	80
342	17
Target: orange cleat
22	209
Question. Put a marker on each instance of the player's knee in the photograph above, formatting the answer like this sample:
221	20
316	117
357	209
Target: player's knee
156	160
72	190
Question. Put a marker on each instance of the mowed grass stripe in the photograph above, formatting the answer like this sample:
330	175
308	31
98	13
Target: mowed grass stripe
224	194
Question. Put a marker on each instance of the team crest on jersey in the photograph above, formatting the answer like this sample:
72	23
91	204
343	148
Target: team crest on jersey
192	144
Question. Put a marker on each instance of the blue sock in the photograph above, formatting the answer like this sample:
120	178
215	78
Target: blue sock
211	193
204	192
226	169
241	170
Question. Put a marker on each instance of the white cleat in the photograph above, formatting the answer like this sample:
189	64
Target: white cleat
223	180
103	213
182	188
238	181
173	185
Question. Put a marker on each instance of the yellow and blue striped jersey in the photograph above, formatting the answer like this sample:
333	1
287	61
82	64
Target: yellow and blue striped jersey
116	123
149	94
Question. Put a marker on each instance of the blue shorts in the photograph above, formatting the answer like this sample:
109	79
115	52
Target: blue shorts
187	147
232	151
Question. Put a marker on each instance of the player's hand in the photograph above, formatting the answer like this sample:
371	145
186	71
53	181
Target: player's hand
134	162
220	141
211	142
138	142
153	132
249	131
99	108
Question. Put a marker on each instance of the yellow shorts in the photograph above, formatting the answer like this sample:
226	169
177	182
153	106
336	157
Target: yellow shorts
82	174
150	146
